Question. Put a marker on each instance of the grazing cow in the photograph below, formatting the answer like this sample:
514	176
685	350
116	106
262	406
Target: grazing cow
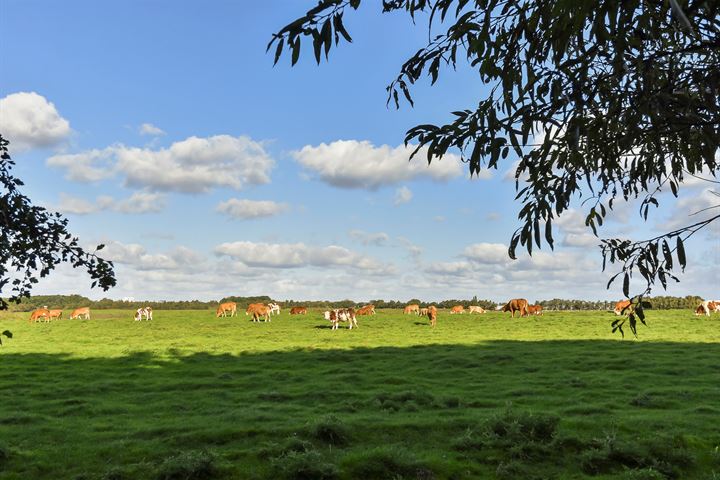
476	309
432	315
274	308
143	312
54	314
40	313
252	306
81	312
423	312
341	315
516	305
413	308
621	306
225	308
709	306
535	309
366	310
457	309
298	310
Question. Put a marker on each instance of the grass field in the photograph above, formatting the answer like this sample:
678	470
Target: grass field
189	396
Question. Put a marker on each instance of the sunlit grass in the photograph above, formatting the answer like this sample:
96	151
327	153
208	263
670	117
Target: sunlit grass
189	395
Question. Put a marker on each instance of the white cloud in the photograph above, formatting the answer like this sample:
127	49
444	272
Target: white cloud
402	195
194	165
28	121
135	255
150	129
580	240
355	164
487	253
249	209
366	238
693	208
139	202
295	255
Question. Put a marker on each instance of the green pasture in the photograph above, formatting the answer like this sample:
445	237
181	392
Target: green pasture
191	396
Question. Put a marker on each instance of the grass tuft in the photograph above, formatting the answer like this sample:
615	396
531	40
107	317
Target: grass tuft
331	430
192	465
309	465
385	462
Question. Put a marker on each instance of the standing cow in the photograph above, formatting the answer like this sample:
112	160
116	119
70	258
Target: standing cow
413	308
432	315
516	305
81	312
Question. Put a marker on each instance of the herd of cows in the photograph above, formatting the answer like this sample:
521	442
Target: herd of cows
349	315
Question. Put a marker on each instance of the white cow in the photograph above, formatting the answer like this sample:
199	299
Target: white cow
274	308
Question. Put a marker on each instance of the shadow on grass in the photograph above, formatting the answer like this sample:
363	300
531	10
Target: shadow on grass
81	414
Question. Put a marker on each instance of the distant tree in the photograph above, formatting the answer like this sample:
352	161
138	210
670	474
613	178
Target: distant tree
33	241
596	99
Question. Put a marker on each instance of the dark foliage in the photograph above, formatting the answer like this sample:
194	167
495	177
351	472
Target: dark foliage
33	241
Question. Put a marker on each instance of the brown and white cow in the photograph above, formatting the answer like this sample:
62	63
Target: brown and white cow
81	312
298	310
413	308
225	308
274	308
708	307
39	313
700	310
143	312
535	309
457	309
475	309
341	315
622	306
432	315
516	305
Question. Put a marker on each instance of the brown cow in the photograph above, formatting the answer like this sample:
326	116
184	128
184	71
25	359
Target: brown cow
253	306
423	312
457	309
40	313
226	307
432	315
413	308
535	309
516	305
475	309
366	310
54	314
298	310
622	306
259	310
81	312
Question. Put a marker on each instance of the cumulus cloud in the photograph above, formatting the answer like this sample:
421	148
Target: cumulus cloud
150	129
296	255
487	253
135	255
693	208
139	202
193	165
249	209
366	238
355	164
403	195
29	120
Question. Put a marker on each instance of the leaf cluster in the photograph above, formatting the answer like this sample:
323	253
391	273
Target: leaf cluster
33	241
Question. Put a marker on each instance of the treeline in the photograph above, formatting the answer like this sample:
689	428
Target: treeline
67	302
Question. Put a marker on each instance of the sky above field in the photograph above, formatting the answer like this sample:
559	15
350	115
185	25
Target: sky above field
162	130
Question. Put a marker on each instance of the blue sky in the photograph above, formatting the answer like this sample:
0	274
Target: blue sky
163	130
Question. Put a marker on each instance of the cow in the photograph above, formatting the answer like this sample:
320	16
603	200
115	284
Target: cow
708	306
535	309
413	308
253	306
476	309
298	310
432	315
423	312
226	307
259	310
622	306
341	315
366	310
80	312
39	313
457	309
143	312
274	308
516	305
54	314
700	310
